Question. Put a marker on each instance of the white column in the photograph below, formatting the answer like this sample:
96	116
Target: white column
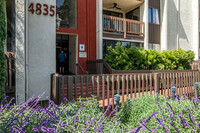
99	29
163	24
20	49
195	28
145	20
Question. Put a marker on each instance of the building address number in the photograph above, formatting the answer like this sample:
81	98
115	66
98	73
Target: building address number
46	10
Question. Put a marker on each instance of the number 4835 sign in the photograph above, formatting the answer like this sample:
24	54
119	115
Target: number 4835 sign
42	9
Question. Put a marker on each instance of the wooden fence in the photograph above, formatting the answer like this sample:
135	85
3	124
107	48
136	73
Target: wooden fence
10	68
195	65
127	85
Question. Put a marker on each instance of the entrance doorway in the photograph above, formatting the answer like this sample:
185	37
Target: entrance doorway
66	43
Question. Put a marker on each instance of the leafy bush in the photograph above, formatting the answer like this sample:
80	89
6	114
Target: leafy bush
145	114
157	113
123	58
2	56
81	116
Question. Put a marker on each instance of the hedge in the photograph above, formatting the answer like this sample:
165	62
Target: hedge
2	56
122	58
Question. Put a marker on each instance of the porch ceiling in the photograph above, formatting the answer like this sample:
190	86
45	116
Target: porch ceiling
125	5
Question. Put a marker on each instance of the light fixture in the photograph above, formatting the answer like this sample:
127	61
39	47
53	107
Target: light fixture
58	20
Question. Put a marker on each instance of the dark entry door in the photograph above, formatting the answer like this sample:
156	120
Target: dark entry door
62	43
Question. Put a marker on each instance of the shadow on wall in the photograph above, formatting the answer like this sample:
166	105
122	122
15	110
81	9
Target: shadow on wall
174	23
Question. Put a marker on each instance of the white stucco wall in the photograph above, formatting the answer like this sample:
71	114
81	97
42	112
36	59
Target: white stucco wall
20	50
179	24
41	50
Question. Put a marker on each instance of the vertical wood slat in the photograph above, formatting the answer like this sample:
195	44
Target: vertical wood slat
168	82
131	85
190	81
93	85
147	83
103	93
162	81
108	88
139	81
82	86
63	83
135	85
142	84
164	84
10	71
186	81
123	87
118	84
87	86
113	91
75	87
98	88
127	86
156	82
176	78
179	83
70	88
150	84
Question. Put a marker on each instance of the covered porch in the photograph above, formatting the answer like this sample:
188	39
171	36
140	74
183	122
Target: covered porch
123	19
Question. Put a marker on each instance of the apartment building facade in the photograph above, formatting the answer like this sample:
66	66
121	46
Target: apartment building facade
39	30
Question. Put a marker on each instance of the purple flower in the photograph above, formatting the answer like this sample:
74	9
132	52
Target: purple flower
151	117
65	125
106	110
138	129
170	107
174	126
16	129
198	125
143	124
89	125
69	102
77	115
192	120
160	109
161	122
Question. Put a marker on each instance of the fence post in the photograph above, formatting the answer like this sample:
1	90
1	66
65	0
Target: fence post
70	88
196	89
55	88
173	91
157	82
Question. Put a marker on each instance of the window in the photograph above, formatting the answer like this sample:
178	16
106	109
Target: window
154	15
154	46
111	13
10	13
67	12
134	14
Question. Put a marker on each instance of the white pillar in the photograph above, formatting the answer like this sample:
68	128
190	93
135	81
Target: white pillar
145	20
195	28
20	49
163	24
99	29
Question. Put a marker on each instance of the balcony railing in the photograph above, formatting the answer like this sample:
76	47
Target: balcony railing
123	26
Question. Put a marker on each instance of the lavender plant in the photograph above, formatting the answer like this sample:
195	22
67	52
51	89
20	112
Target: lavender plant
159	114
145	114
81	116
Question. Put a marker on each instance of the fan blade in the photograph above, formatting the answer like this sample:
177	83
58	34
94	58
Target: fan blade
118	8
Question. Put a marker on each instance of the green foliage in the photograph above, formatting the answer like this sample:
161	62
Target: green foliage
142	108
2	56
122	58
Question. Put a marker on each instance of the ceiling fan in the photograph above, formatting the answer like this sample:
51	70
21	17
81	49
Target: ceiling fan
115	6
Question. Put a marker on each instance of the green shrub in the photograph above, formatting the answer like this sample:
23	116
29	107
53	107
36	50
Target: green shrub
123	58
2	56
142	108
